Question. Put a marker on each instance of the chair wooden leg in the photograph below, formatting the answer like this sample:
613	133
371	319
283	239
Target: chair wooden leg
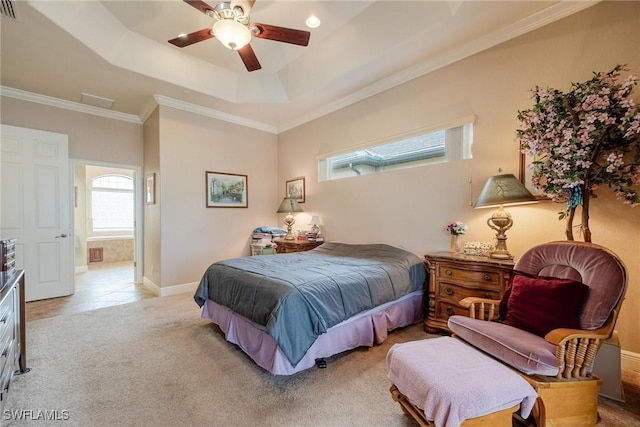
502	418
566	403
408	408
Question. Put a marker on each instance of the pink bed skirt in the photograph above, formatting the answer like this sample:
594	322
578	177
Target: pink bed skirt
364	329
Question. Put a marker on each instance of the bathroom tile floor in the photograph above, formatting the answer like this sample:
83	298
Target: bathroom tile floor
103	285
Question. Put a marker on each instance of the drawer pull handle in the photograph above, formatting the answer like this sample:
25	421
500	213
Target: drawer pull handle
487	277
448	290
448	272
449	310
487	295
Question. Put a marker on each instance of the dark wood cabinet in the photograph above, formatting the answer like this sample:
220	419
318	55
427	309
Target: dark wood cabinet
13	346
454	276
287	246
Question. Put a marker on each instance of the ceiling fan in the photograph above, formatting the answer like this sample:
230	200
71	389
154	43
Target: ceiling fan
234	30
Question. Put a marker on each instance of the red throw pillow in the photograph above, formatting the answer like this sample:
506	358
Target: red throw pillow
541	304
502	308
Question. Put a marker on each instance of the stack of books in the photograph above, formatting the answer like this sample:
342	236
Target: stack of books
8	255
267	234
307	236
315	237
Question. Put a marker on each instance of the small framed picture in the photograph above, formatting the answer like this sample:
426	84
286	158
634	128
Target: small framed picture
150	189
295	189
226	190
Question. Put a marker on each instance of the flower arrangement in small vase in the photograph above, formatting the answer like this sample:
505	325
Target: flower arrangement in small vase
456	229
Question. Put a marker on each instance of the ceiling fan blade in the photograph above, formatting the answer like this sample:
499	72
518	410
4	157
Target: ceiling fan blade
195	37
249	58
200	5
281	34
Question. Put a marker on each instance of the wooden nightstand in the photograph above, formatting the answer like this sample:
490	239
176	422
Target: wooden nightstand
287	246
454	276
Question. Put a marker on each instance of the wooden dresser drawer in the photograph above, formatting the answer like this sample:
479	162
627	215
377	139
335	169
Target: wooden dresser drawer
454	276
450	272
444	309
7	317
6	372
456	292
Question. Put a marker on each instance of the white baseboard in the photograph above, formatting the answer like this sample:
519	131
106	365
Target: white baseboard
148	283
178	289
169	290
81	269
630	361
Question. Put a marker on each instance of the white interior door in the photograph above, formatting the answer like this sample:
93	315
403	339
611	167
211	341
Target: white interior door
35	208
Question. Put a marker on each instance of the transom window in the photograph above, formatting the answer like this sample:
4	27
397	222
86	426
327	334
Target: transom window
418	150
112	206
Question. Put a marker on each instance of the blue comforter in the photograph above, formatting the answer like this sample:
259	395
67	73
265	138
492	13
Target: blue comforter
296	297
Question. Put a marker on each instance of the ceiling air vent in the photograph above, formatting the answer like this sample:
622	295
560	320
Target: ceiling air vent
8	9
96	101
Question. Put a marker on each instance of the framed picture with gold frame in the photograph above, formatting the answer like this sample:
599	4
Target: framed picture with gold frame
295	188
227	190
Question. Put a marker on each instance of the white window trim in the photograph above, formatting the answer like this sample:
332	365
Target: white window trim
107	233
402	135
457	146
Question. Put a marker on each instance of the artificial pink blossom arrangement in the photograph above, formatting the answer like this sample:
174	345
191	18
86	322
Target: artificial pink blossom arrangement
581	139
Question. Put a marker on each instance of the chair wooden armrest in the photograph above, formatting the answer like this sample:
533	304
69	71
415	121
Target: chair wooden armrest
481	308
576	349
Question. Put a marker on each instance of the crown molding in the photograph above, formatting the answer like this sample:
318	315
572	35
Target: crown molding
533	22
501	35
50	101
215	114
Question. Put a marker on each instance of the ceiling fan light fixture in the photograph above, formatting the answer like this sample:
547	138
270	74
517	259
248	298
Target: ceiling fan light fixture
232	34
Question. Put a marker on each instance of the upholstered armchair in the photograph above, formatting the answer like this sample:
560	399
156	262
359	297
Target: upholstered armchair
577	286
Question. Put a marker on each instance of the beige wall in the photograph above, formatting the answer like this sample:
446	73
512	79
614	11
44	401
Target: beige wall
152	242
90	137
192	235
80	218
411	207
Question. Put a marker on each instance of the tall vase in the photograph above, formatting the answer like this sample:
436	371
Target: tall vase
456	243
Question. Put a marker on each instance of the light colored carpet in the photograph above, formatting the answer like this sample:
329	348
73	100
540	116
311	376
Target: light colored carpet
157	363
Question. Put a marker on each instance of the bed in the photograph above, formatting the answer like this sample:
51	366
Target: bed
287	311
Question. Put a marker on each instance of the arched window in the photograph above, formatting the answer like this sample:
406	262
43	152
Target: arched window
112	204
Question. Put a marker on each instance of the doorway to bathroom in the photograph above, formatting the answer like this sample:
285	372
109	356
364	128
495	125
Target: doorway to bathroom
107	205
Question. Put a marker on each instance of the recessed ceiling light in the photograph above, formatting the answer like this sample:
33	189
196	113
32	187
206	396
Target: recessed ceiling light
313	21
